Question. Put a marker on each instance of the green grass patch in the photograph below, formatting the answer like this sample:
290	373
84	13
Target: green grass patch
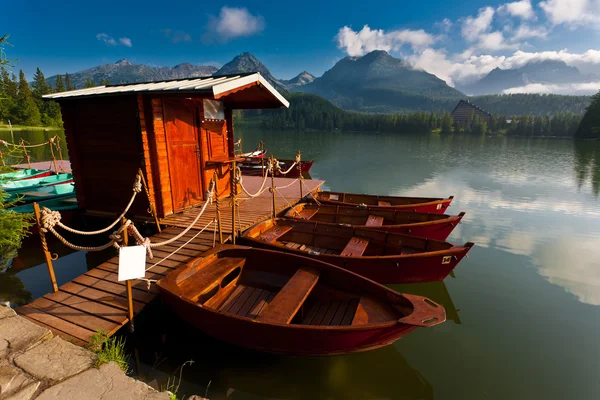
17	128
109	349
173	383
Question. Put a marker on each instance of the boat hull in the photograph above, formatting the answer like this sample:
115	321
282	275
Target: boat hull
296	340
256	169
410	204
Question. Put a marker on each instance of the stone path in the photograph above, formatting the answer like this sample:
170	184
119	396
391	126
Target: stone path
36	365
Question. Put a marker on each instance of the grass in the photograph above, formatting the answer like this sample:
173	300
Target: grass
17	128
173	383
109	349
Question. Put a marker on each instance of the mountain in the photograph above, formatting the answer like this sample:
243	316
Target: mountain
126	72
301	79
246	62
545	72
378	82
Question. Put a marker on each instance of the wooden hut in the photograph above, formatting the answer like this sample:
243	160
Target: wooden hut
463	110
179	132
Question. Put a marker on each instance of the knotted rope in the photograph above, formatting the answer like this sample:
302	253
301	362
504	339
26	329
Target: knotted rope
55	215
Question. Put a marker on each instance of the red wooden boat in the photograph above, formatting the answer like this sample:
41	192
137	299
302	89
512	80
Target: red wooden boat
415	204
381	256
283	303
256	154
427	225
255	168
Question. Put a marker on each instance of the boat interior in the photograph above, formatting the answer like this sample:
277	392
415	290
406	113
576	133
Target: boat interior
347	241
360	216
372	200
279	288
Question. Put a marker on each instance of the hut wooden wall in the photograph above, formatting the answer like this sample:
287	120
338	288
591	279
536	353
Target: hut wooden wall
463	110
103	139
215	146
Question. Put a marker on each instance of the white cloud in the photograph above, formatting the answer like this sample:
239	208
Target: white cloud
125	41
521	9
103	37
445	25
366	40
234	22
494	41
473	27
526	32
587	88
176	36
571	12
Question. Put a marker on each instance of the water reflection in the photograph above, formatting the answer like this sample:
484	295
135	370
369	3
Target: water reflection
36	154
587	164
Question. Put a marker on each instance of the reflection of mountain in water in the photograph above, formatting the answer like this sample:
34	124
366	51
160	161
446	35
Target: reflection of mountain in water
383	373
587	163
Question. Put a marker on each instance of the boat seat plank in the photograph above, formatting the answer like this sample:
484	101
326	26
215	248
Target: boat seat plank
308	213
355	247
274	233
290	298
205	278
374	220
384	203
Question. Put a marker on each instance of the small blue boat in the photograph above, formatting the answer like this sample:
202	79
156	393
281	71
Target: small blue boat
25	174
65	203
35	183
43	192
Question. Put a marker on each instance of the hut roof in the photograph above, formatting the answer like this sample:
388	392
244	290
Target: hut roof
468	103
249	90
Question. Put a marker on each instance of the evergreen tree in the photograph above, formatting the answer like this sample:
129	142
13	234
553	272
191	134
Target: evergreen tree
49	110
68	82
446	123
27	112
589	127
89	83
60	85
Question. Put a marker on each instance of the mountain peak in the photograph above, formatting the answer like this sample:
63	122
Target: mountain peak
246	62
301	79
123	61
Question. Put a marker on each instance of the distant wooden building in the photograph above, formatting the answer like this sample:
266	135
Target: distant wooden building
463	110
179	132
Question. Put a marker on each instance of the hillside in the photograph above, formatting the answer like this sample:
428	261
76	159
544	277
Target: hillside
246	62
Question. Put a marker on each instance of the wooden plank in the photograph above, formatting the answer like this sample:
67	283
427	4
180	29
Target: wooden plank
258	305
355	247
290	298
109	287
374	220
350	311
330	313
99	296
250	302
320	313
383	203
114	278
98	309
37	315
241	300
339	314
236	293
58	332
311	313
274	233
308	213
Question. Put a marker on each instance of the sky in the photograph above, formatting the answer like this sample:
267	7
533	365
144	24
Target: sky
458	41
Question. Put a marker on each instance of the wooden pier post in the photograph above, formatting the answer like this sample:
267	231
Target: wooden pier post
300	177
128	283
233	201
261	146
47	255
152	208
215	178
272	161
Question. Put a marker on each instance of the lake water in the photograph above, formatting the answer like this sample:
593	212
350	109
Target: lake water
523	309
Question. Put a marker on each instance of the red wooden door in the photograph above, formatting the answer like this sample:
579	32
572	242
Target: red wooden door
183	152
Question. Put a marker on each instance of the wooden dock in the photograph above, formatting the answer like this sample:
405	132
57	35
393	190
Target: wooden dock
96	300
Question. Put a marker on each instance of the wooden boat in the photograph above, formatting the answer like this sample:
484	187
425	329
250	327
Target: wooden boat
282	303
381	256
35	183
43	192
427	225
254	168
256	154
25	174
64	203
415	204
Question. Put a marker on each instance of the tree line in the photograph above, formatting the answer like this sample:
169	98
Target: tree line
590	123
21	103
309	111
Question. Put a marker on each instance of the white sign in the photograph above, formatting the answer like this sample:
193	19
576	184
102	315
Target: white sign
132	262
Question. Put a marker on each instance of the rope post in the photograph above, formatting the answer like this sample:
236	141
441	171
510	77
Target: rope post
217	207
273	162
26	154
51	141
261	146
152	209
2	159
47	255
233	200
300	177
128	281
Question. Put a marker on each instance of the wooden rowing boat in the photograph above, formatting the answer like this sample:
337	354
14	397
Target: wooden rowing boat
415	204
254	168
283	303
427	225
25	174
381	256
37	182
43	192
62	203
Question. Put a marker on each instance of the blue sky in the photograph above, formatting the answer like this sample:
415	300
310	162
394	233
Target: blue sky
459	42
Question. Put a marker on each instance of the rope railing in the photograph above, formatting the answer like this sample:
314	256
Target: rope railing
239	180
28	146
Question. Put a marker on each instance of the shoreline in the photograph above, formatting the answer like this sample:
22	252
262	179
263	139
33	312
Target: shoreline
16	128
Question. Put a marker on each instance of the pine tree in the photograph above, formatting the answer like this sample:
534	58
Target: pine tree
68	82
89	83
589	127
446	123
49	110
27	111
60	85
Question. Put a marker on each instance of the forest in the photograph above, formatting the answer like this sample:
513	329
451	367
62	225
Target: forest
308	111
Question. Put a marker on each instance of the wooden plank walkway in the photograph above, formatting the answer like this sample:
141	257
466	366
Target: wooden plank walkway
251	210
96	300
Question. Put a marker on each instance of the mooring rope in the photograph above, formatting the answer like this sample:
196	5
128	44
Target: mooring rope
28	146
51	218
262	189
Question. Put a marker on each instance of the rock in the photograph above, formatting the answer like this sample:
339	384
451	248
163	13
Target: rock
55	360
17	333
14	384
105	383
6	312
